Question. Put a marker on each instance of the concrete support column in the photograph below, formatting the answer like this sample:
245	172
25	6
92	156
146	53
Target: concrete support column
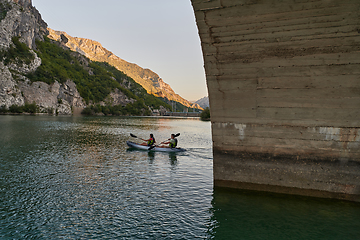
284	90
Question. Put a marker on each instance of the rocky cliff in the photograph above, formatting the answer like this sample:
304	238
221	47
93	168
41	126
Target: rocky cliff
20	19
145	77
25	79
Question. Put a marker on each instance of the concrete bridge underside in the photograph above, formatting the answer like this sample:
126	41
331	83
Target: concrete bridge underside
284	88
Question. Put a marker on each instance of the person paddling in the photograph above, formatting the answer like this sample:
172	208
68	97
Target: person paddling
149	142
173	141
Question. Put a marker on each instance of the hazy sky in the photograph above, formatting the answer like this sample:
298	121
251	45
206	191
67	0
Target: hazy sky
157	34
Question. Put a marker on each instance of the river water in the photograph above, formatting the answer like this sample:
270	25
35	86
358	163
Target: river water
75	178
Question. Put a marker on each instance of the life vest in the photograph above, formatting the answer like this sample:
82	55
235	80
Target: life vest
173	143
151	141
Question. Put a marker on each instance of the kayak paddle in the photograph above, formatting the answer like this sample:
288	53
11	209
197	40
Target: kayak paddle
153	146
134	136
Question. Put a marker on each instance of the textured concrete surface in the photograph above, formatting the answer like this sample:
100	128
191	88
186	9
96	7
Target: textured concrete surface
284	83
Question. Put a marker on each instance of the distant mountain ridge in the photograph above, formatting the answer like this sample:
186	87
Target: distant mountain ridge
145	77
203	102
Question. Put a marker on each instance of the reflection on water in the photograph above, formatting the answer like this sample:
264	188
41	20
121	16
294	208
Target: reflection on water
151	155
75	178
172	159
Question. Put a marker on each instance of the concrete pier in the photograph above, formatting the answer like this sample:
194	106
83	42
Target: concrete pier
284	89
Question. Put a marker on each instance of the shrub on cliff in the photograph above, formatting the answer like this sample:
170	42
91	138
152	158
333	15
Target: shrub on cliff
31	108
4	8
17	53
16	109
3	109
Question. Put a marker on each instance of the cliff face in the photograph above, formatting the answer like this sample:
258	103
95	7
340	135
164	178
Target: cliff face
21	19
145	77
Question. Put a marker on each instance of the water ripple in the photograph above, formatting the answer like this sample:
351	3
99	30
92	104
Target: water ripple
75	178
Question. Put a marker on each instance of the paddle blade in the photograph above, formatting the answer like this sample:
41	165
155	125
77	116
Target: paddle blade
133	135
176	135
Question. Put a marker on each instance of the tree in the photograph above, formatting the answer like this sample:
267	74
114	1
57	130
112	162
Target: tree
205	115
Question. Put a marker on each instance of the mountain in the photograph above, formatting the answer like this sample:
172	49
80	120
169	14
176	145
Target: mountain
203	102
38	74
145	77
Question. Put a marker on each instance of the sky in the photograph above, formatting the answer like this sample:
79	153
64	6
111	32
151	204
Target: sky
160	35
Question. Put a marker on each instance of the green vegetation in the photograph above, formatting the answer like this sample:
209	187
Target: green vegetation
134	88
31	108
205	115
117	110
17	53
94	80
4	8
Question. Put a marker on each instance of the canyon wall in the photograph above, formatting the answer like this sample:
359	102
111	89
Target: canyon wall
21	19
284	89
21	24
148	79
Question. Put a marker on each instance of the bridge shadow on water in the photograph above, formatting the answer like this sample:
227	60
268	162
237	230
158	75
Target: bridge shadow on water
242	214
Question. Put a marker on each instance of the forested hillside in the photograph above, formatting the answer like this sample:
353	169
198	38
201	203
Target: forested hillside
94	80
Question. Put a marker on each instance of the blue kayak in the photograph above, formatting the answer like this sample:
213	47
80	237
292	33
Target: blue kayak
156	149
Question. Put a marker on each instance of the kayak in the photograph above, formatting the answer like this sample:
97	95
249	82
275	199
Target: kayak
156	149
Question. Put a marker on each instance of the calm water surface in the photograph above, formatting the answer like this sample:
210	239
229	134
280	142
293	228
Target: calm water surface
75	178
